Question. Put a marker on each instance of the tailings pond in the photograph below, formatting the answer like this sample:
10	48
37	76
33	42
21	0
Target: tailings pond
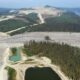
45	73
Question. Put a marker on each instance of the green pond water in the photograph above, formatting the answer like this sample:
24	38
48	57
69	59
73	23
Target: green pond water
45	73
16	57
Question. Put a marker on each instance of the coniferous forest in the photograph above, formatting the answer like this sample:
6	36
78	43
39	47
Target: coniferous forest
63	55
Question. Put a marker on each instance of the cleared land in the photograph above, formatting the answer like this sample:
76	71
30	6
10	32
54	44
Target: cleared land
61	37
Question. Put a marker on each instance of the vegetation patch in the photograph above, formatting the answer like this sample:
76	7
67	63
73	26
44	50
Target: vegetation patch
13	50
27	51
11	73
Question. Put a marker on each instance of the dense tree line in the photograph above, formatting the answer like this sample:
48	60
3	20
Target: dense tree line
11	24
63	55
21	31
33	17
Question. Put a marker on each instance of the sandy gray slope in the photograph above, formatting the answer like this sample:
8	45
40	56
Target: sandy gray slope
65	37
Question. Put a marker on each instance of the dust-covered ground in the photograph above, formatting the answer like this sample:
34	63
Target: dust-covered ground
60	37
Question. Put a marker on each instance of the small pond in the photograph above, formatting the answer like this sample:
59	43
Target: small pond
16	57
45	73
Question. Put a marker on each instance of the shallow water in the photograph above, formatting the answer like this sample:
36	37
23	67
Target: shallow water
16	57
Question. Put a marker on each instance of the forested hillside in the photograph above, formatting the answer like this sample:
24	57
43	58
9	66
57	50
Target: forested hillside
11	24
67	22
18	22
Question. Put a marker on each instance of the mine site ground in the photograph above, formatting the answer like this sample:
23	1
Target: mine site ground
7	42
